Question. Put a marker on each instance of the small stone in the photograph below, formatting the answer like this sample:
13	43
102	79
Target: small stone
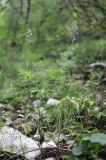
20	116
70	142
36	103
53	102
42	110
18	111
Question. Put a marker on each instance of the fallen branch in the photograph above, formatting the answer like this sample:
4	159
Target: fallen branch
98	65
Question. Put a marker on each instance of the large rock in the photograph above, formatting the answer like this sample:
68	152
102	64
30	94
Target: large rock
13	141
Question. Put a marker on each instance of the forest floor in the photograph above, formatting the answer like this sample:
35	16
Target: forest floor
65	101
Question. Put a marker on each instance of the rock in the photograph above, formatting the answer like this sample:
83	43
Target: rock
21	116
53	102
42	110
13	141
70	142
18	111
50	144
36	103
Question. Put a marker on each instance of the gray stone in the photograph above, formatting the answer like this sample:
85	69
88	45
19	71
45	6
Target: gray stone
13	141
53	102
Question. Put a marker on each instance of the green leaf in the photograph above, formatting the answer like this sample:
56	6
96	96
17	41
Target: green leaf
79	150
97	138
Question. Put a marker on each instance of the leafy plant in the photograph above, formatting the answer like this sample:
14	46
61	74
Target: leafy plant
96	138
